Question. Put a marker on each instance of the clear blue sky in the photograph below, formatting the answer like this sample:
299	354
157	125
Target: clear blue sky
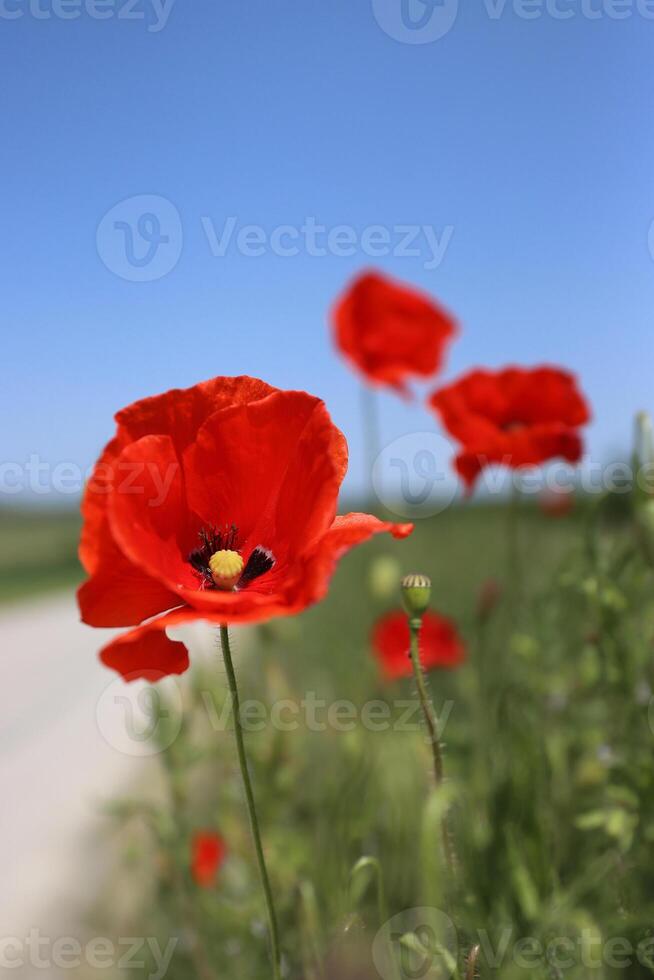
531	138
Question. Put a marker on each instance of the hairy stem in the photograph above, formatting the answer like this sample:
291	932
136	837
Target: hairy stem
431	722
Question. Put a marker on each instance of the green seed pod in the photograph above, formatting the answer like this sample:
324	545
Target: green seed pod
416	594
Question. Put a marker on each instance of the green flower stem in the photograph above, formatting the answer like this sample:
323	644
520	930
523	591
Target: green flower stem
431	722
514	557
252	811
371	433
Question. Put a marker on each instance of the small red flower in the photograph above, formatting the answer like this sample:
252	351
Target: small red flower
439	643
391	332
516	417
557	503
208	851
215	503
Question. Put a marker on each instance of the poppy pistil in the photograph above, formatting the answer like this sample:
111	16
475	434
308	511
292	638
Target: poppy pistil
226	567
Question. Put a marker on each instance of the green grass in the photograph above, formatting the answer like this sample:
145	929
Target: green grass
38	552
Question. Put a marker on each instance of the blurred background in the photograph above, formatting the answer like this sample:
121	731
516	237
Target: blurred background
186	189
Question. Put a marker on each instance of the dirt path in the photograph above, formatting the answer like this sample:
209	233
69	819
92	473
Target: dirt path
73	736
56	766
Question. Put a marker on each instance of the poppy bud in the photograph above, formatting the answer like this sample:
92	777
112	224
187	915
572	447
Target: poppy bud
416	593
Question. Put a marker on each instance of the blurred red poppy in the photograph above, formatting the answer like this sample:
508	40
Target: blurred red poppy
516	417
208	851
439	643
217	502
557	503
390	332
488	598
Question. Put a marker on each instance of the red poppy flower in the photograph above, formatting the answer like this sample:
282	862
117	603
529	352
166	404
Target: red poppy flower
217	503
208	851
439	643
517	417
391	332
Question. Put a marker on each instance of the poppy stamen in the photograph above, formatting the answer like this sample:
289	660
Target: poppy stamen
260	561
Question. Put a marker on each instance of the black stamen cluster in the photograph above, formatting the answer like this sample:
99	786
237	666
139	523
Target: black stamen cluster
212	539
260	561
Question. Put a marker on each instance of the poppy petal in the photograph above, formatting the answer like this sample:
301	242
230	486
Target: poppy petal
391	332
280	460
514	417
148	514
439	644
95	536
146	653
179	413
346	533
120	594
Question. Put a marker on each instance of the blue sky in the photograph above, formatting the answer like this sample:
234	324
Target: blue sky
524	144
